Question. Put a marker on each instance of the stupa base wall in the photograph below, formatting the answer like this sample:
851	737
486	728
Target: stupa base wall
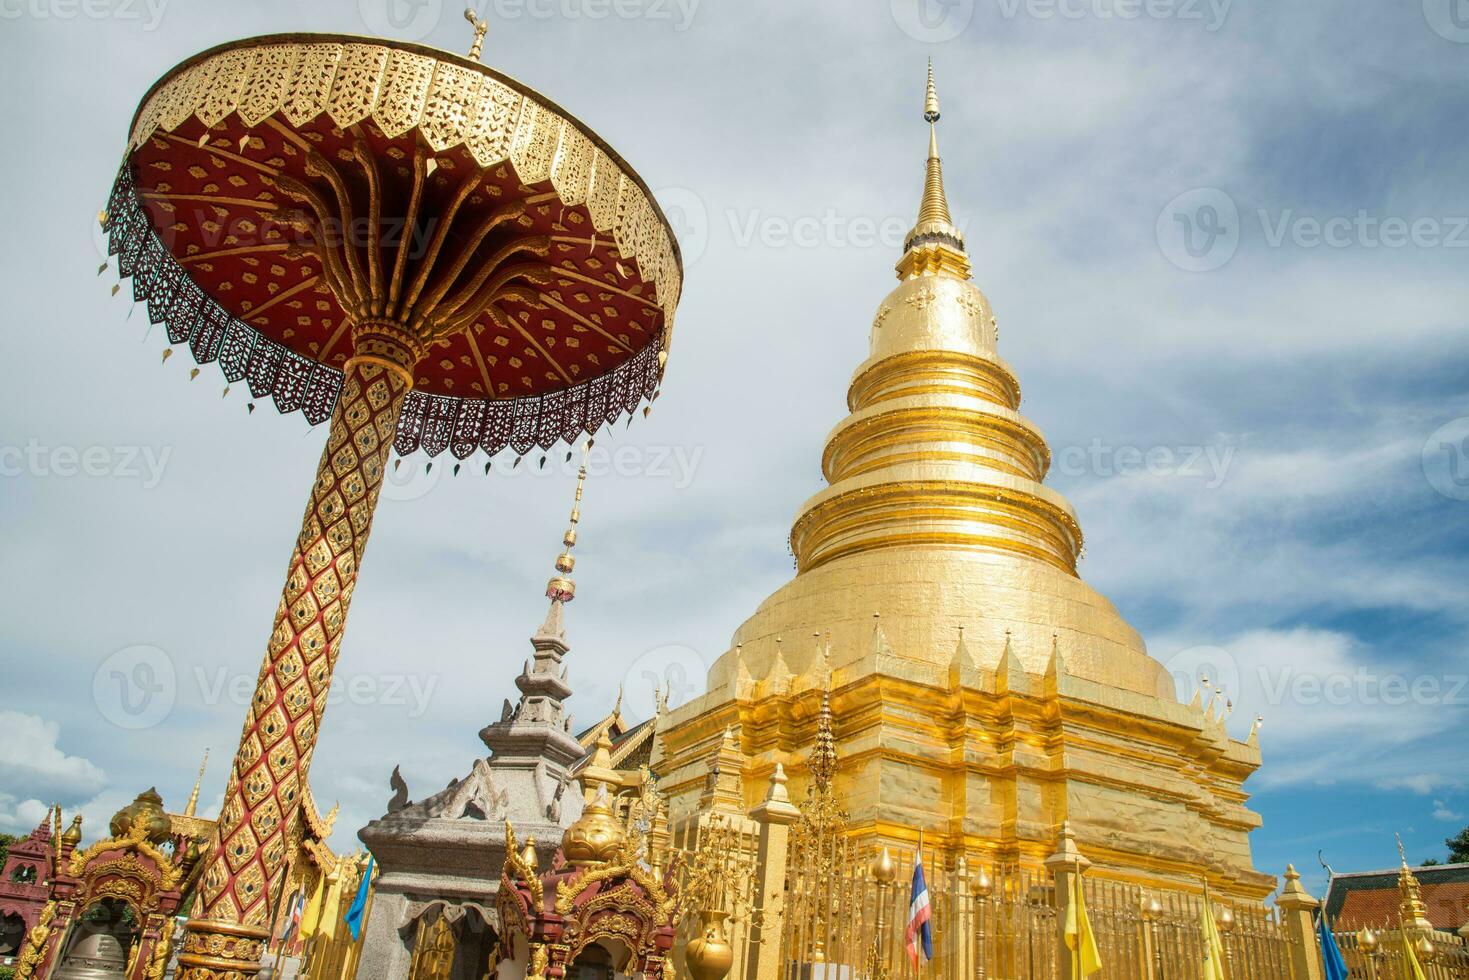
991	765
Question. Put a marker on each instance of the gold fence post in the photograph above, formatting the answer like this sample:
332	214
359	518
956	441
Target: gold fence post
961	934
1066	867
1152	912
775	814
1297	906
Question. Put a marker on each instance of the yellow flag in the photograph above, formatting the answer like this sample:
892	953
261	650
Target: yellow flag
1411	965
311	918
331	906
1213	945
1080	939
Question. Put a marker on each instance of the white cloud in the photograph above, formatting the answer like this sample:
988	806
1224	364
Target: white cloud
31	761
1441	811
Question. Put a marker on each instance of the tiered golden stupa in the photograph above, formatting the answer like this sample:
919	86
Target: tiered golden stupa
983	692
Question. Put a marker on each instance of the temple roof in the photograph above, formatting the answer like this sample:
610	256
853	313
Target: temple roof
1371	898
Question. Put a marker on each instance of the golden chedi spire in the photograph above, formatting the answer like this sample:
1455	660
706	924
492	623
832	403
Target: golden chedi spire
934	246
935	490
192	807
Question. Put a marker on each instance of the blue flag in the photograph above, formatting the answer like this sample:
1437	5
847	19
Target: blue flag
353	918
1336	967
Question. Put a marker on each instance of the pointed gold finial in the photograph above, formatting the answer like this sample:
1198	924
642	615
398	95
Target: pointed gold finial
193	804
562	588
931	99
935	206
934	246
481	27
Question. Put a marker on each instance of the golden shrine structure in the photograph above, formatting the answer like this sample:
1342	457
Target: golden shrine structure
109	908
984	694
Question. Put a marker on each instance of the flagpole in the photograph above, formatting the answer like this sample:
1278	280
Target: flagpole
917	937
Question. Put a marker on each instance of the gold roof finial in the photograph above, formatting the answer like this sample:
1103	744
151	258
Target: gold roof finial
935	206
481	27
823	751
931	99
193	805
934	246
562	588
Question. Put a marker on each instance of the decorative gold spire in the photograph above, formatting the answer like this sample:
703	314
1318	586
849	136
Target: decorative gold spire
935	206
1412	913
934	246
193	805
823	750
562	588
481	27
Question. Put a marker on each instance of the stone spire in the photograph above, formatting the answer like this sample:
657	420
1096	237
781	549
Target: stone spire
540	718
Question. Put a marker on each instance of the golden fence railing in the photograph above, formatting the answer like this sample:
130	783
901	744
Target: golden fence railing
1376	953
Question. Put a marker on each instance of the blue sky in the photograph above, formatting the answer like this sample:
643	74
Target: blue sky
1304	348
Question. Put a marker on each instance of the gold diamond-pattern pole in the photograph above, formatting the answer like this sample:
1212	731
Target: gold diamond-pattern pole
262	801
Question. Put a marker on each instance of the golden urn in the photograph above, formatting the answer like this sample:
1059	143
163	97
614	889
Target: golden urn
709	955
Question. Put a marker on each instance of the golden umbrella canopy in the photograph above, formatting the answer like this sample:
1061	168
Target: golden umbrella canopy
280	188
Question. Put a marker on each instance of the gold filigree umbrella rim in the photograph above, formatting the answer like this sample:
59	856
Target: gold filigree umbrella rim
428	51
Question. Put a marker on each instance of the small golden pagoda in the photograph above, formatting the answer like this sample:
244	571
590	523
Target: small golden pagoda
982	692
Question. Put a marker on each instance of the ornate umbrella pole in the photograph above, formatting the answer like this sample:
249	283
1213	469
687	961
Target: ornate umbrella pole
427	252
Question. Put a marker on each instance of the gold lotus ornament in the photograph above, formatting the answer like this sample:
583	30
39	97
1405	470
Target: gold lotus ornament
596	836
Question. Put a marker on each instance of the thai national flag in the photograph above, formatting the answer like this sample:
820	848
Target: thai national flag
918	915
293	917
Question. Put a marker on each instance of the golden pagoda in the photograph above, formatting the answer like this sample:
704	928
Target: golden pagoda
982	692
